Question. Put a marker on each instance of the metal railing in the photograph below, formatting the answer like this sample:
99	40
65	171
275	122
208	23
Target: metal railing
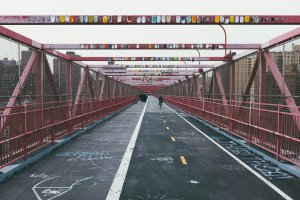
35	126
268	126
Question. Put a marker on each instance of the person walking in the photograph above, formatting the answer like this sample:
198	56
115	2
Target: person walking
160	101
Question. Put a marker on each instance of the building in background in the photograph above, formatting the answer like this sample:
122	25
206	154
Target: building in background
60	72
288	63
9	77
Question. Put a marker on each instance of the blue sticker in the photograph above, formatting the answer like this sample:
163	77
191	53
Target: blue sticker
153	19
188	19
86	19
182	19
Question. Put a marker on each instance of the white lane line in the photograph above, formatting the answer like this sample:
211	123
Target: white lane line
271	185
117	185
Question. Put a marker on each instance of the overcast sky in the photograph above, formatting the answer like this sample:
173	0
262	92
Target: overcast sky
150	34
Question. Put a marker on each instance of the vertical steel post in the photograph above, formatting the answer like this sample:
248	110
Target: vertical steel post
279	131
39	90
69	88
97	87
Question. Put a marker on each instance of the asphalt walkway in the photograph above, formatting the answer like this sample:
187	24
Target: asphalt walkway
151	153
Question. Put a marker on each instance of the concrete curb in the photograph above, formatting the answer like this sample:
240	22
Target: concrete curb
12	169
295	170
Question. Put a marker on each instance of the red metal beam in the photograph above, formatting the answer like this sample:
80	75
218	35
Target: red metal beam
283	87
103	86
39	90
31	43
116	75
195	86
97	87
50	78
282	38
275	41
203	91
149	19
149	66
90	86
147	59
80	89
232	81
22	81
97	46
251	79
69	88
222	91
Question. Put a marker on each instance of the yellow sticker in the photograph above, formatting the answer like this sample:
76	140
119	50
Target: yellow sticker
72	19
194	19
62	19
217	19
231	19
247	19
105	19
91	19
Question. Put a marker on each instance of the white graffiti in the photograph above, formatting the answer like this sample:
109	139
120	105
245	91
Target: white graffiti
39	176
266	169
235	148
148	196
51	192
262	166
166	159
232	167
194	182
85	155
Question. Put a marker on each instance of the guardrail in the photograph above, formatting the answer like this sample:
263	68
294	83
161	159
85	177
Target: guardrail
29	129
267	126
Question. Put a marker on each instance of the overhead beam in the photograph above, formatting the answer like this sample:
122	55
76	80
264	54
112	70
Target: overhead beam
151	46
149	66
149	19
116	75
148	59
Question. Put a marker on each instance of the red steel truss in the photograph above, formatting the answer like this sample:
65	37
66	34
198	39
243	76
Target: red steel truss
213	46
149	19
210	95
251	115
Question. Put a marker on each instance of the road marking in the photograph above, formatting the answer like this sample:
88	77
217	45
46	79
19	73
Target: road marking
173	139
168	128
51	192
162	116
165	121
271	185
182	158
117	185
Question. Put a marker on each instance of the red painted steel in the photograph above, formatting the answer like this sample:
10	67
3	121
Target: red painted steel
147	58
214	46
282	38
149	66
24	77
222	91
148	88
283	87
79	91
248	126
30	138
137	74
149	19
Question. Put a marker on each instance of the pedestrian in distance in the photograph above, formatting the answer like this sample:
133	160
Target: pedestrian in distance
160	101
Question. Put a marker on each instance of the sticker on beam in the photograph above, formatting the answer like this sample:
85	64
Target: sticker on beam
151	19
